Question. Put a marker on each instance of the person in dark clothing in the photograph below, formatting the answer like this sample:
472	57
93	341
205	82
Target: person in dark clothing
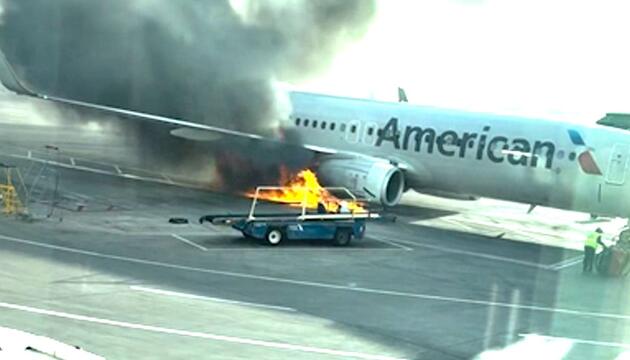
593	240
321	208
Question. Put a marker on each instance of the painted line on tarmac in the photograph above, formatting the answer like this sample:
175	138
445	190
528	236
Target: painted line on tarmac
507	225
566	263
181	232
253	245
460	223
580	341
389	242
196	334
474	254
191	243
321	285
199	297
576	262
167	178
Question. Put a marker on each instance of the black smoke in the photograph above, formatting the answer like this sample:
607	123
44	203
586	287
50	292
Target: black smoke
203	61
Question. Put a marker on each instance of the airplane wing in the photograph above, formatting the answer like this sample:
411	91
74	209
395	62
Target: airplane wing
12	82
182	128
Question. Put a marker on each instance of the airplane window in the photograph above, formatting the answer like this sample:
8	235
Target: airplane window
572	156
305	122
342	127
314	123
370	131
353	129
297	121
332	126
560	154
323	125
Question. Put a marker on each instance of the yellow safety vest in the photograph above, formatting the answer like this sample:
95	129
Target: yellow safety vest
591	240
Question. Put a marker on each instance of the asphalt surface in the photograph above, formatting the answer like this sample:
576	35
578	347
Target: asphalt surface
106	271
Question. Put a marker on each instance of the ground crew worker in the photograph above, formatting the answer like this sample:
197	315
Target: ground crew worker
590	248
321	208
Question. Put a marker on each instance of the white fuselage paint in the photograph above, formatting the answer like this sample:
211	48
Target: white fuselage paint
509	170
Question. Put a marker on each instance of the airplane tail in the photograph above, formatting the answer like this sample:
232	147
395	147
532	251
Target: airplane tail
618	120
402	95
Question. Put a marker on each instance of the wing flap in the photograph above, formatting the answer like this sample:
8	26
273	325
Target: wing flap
195	134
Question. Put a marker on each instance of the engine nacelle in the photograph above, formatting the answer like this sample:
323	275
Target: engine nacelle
377	181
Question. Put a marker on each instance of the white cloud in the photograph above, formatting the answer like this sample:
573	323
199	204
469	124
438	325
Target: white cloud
565	59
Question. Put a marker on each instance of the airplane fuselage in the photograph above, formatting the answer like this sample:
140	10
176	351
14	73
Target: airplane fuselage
534	161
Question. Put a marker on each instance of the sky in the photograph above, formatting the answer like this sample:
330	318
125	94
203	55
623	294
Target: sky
558	59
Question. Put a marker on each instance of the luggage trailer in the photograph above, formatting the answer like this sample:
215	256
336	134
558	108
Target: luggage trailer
274	228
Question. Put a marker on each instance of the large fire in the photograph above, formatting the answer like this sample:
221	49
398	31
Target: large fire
305	187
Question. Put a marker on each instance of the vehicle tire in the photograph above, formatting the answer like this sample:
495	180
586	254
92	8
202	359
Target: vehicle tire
274	236
343	237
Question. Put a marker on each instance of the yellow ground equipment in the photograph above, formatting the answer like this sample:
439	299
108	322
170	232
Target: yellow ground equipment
11	203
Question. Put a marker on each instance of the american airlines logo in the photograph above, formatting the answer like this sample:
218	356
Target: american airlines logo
585	159
484	145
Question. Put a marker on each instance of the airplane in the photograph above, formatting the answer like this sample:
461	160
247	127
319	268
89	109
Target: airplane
379	150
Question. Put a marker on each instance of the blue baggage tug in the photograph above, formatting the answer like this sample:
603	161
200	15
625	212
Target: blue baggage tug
275	228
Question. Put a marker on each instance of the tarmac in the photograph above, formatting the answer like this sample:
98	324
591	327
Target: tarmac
449	279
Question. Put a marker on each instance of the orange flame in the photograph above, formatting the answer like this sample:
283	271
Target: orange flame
305	187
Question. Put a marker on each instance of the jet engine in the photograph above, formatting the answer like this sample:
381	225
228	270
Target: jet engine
374	180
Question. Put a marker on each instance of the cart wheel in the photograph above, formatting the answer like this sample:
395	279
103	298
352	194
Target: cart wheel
274	237
343	237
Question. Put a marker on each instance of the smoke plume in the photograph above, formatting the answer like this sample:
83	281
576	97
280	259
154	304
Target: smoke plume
212	61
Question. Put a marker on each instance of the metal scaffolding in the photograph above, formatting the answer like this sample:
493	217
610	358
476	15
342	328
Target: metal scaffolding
43	191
